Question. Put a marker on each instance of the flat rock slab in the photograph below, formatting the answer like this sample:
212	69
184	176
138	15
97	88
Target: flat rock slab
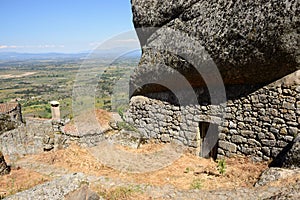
54	190
274	174
84	193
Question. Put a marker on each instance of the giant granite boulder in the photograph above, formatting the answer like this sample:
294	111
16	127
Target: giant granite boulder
251	42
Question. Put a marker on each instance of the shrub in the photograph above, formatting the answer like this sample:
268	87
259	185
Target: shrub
222	166
197	184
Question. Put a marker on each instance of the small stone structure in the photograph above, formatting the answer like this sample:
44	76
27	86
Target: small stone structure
260	124
55	111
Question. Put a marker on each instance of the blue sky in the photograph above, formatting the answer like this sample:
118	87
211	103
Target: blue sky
68	26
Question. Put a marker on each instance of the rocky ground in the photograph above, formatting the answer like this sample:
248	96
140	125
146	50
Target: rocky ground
154	171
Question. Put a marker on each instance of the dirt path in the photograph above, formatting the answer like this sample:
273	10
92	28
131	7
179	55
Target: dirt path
126	161
7	76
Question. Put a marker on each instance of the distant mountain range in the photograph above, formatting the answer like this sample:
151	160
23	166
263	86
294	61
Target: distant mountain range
14	56
40	56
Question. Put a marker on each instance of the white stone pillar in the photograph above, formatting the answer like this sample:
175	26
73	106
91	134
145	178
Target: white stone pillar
55	110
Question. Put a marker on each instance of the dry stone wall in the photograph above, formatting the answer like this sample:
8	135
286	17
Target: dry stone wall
260	124
37	136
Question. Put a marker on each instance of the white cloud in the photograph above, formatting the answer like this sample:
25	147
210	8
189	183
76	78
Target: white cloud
7	47
128	41
47	46
95	44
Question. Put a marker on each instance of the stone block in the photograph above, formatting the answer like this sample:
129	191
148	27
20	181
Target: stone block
248	134
269	143
222	136
228	146
288	105
266	151
238	139
281	143
278	120
232	125
253	143
274	130
283	131
165	138
290	116
248	151
293	131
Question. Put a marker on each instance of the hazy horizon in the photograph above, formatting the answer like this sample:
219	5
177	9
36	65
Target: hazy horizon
68	27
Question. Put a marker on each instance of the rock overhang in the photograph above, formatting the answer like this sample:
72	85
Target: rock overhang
251	42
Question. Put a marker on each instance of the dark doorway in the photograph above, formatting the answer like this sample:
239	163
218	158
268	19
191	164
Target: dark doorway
205	141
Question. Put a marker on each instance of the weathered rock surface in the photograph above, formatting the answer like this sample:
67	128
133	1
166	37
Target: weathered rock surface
290	156
84	193
292	159
25	139
6	123
126	138
250	41
4	169
274	174
56	189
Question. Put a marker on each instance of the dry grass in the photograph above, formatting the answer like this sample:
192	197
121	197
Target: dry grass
19	180
103	117
120	193
240	171
147	148
188	172
75	159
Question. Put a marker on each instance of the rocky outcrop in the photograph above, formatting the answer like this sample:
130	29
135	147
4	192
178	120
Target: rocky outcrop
249	49
289	157
274	174
6	123
292	159
4	169
251	42
56	189
84	193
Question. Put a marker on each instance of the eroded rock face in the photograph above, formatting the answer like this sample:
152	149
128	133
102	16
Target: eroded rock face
6	123
274	174
251	42
4	169
82	194
293	156
56	189
290	156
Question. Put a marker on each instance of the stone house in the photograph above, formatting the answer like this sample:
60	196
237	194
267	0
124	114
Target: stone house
255	47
